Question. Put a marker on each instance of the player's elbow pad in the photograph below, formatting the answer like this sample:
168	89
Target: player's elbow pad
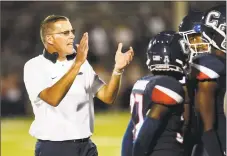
145	136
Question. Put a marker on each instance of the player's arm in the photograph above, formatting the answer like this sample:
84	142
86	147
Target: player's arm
152	122
187	109
127	141
186	131
205	105
187	112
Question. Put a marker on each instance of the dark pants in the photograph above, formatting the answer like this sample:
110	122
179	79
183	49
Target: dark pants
65	148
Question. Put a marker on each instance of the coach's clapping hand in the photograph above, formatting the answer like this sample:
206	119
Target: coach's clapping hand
123	59
82	49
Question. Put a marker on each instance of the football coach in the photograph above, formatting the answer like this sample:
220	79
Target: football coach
61	85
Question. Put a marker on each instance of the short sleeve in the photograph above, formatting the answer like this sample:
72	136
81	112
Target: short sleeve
34	80
167	92
207	67
95	82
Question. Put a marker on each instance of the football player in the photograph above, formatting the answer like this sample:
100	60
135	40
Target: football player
193	45
190	29
208	70
157	102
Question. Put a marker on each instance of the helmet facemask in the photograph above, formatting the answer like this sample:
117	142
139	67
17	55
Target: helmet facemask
195	44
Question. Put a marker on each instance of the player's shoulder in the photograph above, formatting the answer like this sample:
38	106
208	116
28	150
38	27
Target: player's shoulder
168	81
167	90
141	83
208	66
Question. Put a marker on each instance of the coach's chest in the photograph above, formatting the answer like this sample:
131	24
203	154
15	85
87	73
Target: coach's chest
60	69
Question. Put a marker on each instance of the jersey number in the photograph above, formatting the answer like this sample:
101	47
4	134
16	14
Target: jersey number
137	100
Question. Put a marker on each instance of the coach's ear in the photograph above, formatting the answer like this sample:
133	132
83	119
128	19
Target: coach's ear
49	39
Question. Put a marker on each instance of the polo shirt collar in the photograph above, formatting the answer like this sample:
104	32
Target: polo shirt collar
54	56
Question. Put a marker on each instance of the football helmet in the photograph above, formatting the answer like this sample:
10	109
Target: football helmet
190	29
164	53
214	27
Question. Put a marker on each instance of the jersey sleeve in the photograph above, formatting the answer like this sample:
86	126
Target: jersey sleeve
167	91
207	67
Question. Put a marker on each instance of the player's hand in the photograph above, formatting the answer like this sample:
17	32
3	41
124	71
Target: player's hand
123	59
82	49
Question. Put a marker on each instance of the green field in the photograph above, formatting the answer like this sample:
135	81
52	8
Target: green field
109	129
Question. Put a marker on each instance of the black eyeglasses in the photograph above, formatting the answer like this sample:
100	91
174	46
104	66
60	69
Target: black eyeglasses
66	33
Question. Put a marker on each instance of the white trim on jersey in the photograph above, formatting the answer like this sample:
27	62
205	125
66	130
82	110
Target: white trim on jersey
141	84
170	93
209	72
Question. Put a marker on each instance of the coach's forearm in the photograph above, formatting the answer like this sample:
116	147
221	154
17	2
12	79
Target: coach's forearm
113	88
109	92
54	94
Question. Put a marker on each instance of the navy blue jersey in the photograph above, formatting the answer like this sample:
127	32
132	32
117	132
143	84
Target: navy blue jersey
162	90
209	67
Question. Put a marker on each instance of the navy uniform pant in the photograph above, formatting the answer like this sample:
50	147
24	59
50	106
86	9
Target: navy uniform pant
66	148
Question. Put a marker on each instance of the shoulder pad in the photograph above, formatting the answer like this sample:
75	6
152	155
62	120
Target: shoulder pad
140	85
208	67
167	91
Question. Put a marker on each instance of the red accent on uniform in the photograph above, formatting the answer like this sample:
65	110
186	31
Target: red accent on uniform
161	97
202	76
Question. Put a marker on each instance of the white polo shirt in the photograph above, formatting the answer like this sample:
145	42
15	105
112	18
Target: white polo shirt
73	118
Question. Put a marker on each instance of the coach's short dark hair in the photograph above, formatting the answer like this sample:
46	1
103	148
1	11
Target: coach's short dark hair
46	25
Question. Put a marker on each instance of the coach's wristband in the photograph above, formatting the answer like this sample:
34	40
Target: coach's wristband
118	73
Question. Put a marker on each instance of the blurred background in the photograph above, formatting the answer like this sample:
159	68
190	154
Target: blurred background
108	23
